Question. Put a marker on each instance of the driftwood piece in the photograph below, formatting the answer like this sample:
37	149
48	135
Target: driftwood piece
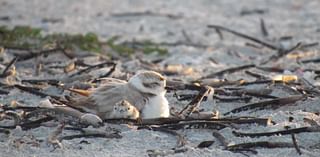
112	69
40	81
253	45
181	141
229	70
271	69
107	63
223	141
15	105
268	45
91	135
205	144
157	153
281	132
33	54
197	125
35	124
63	112
256	75
174	120
213	82
267	104
4	72
195	103
146	13
282	52
264	144
309	45
245	11
216	97
309	87
35	91
138	44
10	115
245	147
260	92
86	118
179	85
175	125
295	143
263	28
232	99
313	60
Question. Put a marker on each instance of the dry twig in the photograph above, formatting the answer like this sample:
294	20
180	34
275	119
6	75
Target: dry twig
269	103
195	103
282	132
273	47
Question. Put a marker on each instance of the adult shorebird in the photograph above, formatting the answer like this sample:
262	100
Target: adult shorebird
145	91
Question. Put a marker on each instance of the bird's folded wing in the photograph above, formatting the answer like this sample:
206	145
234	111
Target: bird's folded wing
84	103
107	96
86	98
102	99
136	98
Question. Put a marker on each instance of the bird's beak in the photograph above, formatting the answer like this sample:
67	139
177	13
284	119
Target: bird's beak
162	78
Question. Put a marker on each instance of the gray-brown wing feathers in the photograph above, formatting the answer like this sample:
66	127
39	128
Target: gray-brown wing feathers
106	99
102	99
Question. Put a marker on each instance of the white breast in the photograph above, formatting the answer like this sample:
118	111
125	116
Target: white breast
156	107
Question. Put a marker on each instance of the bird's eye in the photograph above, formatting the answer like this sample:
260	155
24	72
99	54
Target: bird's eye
128	108
115	108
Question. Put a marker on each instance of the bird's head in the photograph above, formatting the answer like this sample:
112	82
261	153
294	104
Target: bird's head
148	82
122	106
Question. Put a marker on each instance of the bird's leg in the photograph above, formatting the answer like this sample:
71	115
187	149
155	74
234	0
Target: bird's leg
139	120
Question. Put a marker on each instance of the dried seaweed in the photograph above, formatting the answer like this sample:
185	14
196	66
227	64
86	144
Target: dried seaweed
268	45
282	132
263	144
35	91
174	120
229	70
267	104
107	63
195	103
4	72
91	135
181	141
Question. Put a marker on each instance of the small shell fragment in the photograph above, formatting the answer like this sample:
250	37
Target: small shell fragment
285	78
46	104
70	67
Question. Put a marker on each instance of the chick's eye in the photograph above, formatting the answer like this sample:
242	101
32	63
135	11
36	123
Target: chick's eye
128	108
115	108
